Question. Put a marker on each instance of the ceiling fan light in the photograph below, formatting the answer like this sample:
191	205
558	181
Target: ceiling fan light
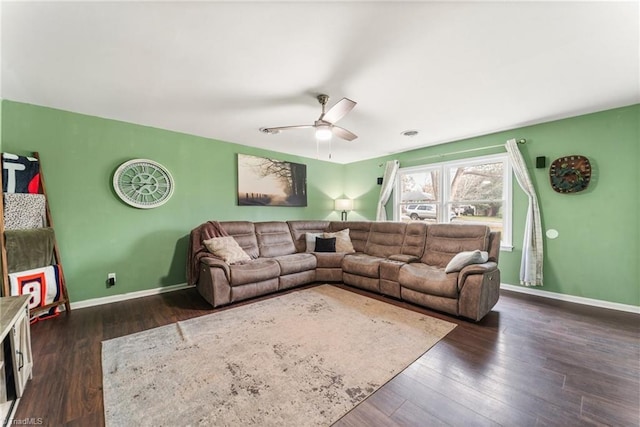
323	133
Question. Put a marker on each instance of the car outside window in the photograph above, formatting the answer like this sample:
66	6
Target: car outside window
470	191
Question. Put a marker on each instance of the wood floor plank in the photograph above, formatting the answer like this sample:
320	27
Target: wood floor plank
435	403
83	398
94	419
595	383
530	361
366	414
606	412
527	400
386	401
590	355
410	414
499	363
44	395
483	403
507	375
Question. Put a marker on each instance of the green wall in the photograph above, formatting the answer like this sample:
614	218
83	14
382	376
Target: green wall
1	101
597	253
97	233
595	256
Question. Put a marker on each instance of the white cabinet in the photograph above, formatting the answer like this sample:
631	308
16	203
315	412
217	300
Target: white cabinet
16	360
21	351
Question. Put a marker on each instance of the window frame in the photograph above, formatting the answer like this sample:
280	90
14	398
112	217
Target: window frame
444	189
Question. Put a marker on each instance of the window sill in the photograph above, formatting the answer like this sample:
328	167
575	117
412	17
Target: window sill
506	248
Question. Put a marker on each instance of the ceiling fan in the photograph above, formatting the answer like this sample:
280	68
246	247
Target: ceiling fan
325	125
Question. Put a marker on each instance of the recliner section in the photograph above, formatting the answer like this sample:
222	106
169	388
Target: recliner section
400	260
275	243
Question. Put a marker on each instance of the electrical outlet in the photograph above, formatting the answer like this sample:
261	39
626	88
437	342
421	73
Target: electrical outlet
111	279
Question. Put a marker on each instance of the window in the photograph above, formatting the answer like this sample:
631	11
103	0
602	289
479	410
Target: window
471	191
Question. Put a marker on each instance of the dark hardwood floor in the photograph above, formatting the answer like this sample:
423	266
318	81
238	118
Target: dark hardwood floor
532	361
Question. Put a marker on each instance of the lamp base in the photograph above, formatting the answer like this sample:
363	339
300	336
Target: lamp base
344	216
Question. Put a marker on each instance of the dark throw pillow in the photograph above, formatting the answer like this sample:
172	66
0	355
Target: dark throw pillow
325	245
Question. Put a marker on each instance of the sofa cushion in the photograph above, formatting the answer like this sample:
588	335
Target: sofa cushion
414	239
295	263
310	239
385	238
329	259
245	234
390	270
404	258
343	241
256	270
300	227
358	232
444	241
368	283
251	290
325	245
461	260
494	246
274	239
428	279
226	248
362	265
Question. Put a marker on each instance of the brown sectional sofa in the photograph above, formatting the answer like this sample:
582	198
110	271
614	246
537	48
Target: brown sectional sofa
401	260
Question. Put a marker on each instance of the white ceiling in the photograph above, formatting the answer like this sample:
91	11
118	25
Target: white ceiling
222	70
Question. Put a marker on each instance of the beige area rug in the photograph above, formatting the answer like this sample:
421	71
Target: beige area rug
300	359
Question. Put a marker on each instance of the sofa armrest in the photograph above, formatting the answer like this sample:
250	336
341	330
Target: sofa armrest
479	287
472	269
403	258
211	261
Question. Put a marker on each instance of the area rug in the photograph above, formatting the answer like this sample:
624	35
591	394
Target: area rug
300	359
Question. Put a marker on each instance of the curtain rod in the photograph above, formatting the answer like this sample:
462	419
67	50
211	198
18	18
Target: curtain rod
520	141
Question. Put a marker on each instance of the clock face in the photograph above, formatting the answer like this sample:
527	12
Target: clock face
570	174
143	183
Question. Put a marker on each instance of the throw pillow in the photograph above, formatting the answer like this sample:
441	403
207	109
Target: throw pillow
325	245
311	241
226	248
343	241
462	259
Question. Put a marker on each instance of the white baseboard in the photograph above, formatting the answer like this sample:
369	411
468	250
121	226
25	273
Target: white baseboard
572	298
129	295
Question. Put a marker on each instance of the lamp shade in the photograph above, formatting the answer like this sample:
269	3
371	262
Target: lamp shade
344	204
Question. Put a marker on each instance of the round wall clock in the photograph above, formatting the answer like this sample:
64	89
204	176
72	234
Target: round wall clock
143	183
570	174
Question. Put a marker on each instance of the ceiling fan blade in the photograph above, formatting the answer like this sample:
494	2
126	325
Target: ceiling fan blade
339	110
279	128
343	133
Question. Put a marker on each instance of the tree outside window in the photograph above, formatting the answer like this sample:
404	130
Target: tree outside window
473	191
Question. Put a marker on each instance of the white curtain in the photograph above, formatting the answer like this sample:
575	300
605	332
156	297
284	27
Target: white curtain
389	179
532	251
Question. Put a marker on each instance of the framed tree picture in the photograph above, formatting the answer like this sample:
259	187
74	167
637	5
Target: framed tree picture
270	182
